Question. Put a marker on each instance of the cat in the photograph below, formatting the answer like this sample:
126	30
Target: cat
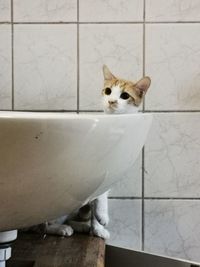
122	96
118	96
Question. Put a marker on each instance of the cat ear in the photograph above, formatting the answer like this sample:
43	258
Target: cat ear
107	74
142	86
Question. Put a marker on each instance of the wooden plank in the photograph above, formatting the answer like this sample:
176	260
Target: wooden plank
77	250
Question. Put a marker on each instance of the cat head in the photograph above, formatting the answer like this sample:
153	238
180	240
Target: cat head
122	96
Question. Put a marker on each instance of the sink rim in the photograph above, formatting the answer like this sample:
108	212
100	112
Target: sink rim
64	115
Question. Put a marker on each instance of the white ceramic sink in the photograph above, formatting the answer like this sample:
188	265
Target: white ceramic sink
51	163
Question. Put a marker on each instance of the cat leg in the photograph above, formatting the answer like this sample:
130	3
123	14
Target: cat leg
84	213
98	230
81	220
39	229
58	229
80	227
54	227
100	209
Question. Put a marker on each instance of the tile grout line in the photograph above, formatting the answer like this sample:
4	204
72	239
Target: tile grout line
143	219
171	111
100	111
143	51
173	22
124	198
12	53
78	61
54	110
77	22
172	198
102	22
143	149
157	198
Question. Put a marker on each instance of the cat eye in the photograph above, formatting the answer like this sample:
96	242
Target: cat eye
107	91
124	95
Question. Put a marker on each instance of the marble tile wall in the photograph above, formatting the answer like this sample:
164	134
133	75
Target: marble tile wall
51	55
45	70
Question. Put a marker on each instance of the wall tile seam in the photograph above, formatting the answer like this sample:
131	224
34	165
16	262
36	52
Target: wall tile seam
100	22
156	198
12	55
143	149
72	22
101	111
78	60
171	111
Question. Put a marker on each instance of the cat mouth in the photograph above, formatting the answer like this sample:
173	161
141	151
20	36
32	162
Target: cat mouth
111	108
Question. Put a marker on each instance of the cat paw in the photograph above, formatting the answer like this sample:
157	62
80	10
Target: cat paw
101	232
102	218
65	230
61	230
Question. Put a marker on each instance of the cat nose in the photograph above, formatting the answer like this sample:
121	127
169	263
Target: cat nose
111	102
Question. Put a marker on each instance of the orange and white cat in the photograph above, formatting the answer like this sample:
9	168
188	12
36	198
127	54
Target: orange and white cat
122	96
118	96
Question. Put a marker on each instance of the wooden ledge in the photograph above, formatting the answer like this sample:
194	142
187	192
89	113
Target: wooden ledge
31	250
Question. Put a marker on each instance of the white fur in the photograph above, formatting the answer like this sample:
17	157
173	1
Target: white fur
99	230
122	105
100	207
59	229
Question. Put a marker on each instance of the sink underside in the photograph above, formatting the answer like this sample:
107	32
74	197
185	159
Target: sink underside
51	163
